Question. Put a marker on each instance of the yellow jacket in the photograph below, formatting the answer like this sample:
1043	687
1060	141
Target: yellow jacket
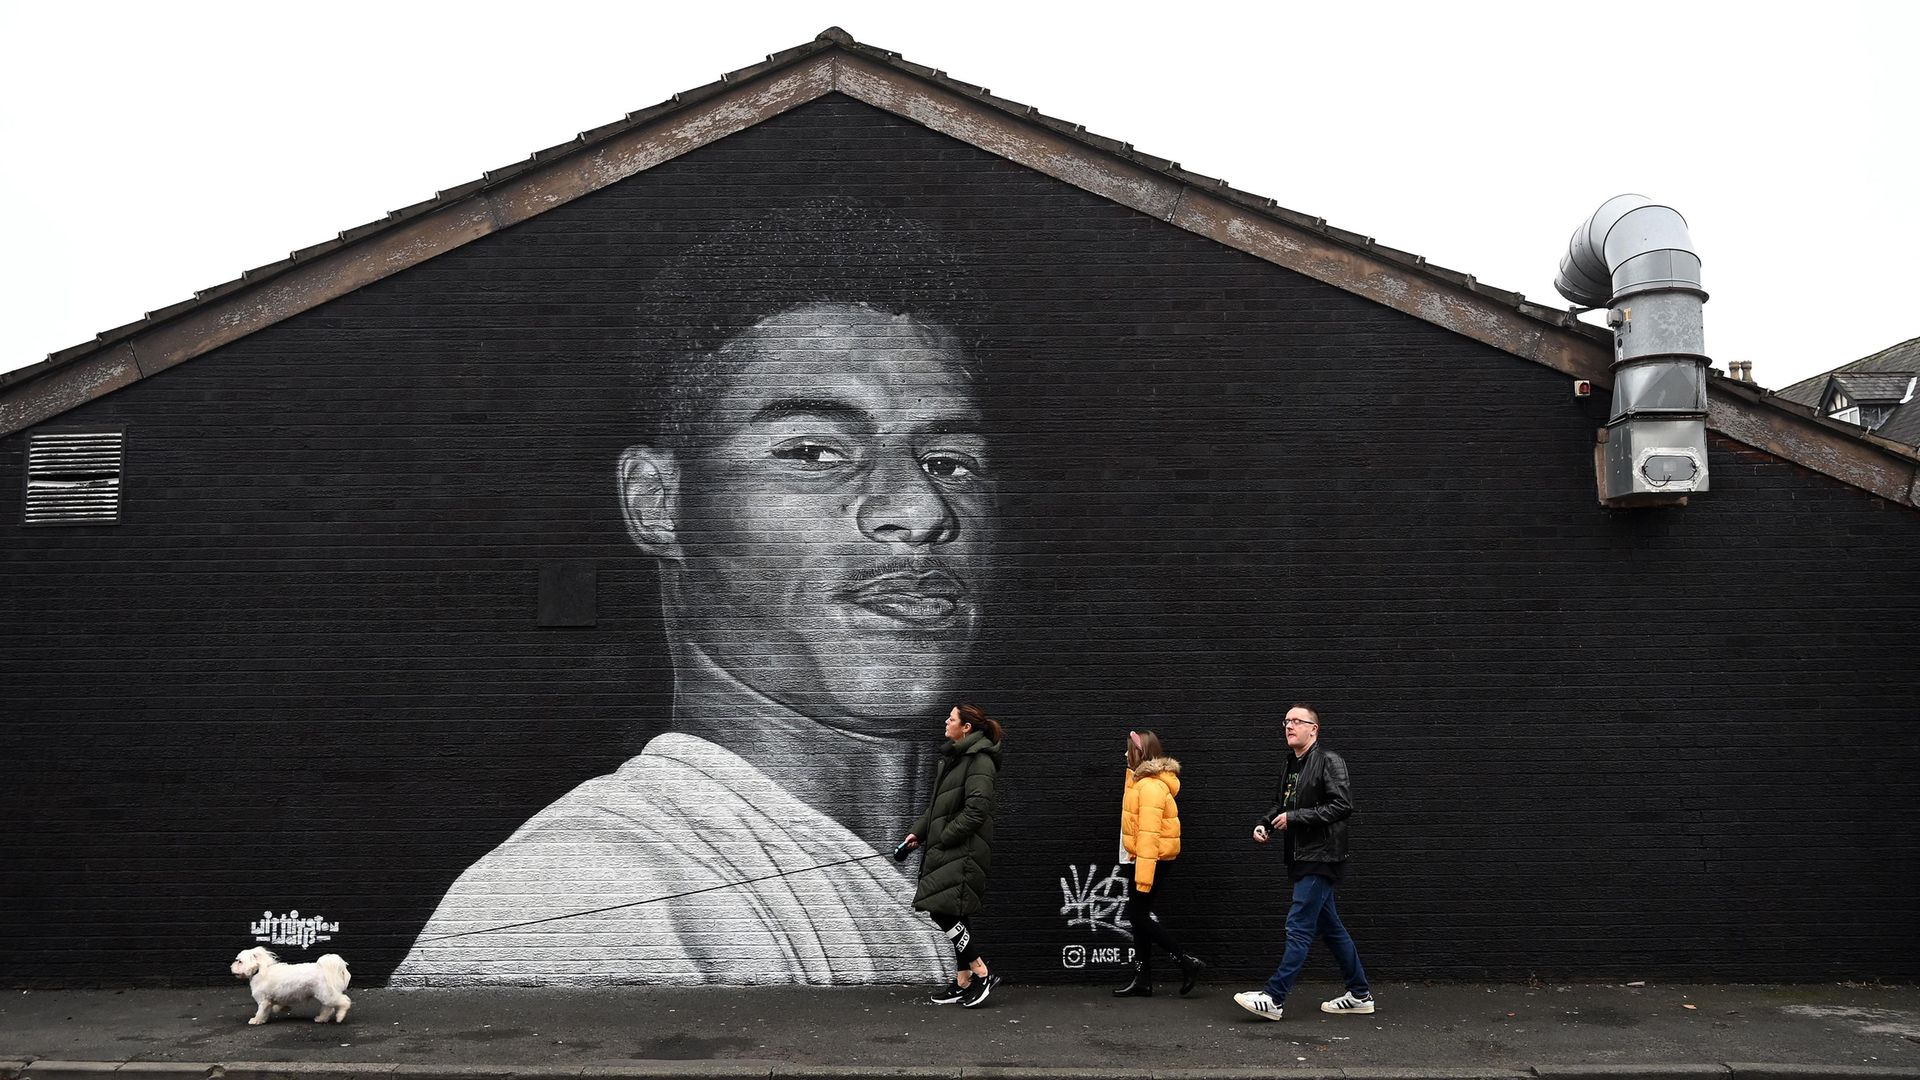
1149	818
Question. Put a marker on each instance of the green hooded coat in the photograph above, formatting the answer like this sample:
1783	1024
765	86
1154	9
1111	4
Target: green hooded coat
956	831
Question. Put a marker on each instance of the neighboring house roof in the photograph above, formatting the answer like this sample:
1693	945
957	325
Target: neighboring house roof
835	63
1904	425
1882	378
1875	389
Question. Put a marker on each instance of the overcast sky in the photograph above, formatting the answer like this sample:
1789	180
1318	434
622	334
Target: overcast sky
156	149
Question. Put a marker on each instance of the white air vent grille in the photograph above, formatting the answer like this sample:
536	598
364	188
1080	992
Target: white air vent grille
73	478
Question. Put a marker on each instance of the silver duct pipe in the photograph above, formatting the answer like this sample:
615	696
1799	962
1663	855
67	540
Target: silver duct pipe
1634	255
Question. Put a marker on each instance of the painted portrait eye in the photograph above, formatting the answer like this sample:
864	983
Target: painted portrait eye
810	454
950	467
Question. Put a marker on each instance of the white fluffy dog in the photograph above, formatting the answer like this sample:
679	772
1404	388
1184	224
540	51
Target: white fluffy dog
277	986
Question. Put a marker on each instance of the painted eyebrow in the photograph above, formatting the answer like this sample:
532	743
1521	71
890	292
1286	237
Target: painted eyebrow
842	412
820	407
962	428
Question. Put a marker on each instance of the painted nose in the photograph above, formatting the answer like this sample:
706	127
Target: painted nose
902	505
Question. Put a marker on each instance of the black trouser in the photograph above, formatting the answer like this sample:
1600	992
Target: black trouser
1147	931
960	932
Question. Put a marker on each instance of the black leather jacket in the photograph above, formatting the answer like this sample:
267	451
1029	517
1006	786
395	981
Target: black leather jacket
1322	801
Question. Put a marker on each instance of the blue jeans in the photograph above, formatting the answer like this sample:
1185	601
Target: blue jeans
1313	913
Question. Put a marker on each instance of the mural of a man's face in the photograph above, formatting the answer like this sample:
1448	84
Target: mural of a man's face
823	525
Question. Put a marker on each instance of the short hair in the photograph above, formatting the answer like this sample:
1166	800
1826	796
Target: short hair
760	262
980	721
1312	713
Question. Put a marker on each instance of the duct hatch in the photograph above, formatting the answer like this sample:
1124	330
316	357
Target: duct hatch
73	478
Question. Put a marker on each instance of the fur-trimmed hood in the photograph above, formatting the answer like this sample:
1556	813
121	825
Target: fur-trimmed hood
1157	766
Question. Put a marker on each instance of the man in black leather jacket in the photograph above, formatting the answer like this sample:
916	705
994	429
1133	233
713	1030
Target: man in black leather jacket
1310	809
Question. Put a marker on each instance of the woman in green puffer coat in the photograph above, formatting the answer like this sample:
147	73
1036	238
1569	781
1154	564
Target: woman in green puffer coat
957	833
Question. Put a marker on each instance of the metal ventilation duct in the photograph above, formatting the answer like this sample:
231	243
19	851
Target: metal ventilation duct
1634	256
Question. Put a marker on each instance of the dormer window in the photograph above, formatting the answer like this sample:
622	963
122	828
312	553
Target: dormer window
1866	398
1841	407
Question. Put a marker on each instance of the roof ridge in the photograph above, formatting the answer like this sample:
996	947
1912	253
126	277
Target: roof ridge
1200	204
487	180
830	38
1563	318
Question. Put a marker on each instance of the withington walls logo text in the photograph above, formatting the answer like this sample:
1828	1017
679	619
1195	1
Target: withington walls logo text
292	929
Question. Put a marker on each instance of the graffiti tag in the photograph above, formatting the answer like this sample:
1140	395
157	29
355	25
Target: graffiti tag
291	929
1095	904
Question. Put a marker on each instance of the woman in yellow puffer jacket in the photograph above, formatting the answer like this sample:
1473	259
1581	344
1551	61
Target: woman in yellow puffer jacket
1150	829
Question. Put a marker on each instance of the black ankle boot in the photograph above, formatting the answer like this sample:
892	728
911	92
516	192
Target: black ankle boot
1190	969
1142	984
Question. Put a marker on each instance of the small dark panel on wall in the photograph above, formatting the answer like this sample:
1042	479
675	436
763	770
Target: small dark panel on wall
569	594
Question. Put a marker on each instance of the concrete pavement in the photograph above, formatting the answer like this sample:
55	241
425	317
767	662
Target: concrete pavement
1569	1032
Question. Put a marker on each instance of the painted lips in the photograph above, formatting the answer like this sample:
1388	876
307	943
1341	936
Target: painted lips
927	598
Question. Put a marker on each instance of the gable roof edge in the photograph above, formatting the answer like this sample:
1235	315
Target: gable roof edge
1233	218
1068	152
411	235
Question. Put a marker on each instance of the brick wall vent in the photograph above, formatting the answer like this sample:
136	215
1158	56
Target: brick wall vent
73	478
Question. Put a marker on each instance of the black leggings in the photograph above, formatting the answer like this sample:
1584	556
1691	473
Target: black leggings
960	932
1147	931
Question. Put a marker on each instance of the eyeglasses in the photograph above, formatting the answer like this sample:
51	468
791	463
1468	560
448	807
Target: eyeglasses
1291	722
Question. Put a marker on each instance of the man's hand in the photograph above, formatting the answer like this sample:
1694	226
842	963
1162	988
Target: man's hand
911	841
1280	822
1259	834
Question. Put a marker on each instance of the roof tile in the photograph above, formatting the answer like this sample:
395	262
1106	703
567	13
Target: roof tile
1903	426
1875	386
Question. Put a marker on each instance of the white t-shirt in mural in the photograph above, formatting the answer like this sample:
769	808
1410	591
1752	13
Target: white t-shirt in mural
683	815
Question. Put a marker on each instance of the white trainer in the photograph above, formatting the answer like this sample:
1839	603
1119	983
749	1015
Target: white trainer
1347	1003
1258	1003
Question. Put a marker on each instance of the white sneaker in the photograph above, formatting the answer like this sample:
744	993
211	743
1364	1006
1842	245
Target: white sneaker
1258	1003
1347	1003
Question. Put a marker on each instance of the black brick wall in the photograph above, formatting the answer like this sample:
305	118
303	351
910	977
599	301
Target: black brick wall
306	672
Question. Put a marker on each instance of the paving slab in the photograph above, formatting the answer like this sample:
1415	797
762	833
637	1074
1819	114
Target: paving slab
1633	1072
866	1073
298	1070
1190	1073
1776	1071
672	1069
1054	1072
164	1070
1448	1073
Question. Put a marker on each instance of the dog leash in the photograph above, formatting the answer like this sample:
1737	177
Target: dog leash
652	900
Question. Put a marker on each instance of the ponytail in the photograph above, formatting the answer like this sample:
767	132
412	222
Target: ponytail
977	718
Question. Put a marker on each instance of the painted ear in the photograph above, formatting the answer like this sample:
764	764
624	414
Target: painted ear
649	499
